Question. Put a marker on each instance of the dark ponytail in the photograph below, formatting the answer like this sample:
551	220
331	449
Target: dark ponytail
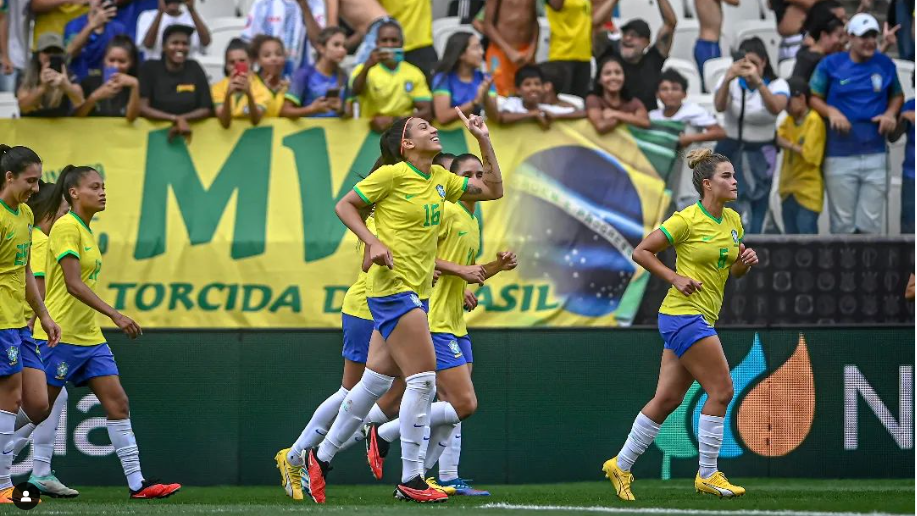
390	144
70	177
16	160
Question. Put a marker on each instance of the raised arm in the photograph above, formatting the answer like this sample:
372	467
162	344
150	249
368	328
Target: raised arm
203	32
490	187
667	32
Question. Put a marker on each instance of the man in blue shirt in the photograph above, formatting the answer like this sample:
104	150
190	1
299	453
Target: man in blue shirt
859	93
87	37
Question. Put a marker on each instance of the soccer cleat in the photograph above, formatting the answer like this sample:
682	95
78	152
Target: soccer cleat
313	476
462	488
49	485
289	475
376	449
152	489
416	490
446	490
620	479
6	495
717	485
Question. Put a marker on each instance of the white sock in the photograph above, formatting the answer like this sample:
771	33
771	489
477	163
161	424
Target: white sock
709	440
390	431
22	419
356	406
642	434
414	416
122	438
24	428
44	436
449	460
375	416
7	427
443	420
317	428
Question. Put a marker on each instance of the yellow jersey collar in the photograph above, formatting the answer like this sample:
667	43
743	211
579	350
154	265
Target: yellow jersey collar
77	217
707	213
11	210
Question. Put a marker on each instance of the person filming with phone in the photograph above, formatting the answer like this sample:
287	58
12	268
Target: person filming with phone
386	86
47	90
237	95
319	91
115	93
87	38
751	96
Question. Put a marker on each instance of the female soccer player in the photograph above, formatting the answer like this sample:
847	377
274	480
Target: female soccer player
457	248
708	243
34	379
83	357
21	169
357	325
409	196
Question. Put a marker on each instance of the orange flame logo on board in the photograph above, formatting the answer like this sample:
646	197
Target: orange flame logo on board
776	415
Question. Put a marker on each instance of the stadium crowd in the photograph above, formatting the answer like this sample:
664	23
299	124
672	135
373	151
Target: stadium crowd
375	59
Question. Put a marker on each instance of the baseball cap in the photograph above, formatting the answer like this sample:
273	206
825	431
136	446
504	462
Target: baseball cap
172	29
862	23
798	86
48	41
639	26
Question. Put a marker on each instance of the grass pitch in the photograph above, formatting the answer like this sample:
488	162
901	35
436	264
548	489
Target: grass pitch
767	497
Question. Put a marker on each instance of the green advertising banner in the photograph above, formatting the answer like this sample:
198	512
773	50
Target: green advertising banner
213	408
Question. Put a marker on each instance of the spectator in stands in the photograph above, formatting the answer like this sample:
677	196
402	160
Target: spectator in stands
710	19
901	14
859	93
51	16
791	15
751	96
47	89
87	38
115	92
513	30
320	90
151	24
817	15
7	70
526	105
802	138
906	125
552	103
175	88
642	63
672	91
130	10
611	102
460	82
385	86
239	95
270	61
416	18
829	36
570	48
282	19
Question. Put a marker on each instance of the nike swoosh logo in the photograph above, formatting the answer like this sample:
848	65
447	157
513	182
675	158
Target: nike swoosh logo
845	81
320	433
11	235
706	238
463	233
418	426
722	492
409	197
87	248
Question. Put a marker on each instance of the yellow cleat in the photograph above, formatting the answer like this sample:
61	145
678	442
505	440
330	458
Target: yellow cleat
290	477
717	485
620	479
446	490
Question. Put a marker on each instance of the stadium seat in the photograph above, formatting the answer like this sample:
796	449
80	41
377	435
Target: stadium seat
213	67
440	8
688	69
785	69
443	28
210	9
648	11
766	30
714	69
905	71
686	33
573	99
9	106
222	31
243	6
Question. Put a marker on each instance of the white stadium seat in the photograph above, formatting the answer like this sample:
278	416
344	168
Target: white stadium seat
648	11
688	69
785	70
210	9
213	67
222	31
905	71
244	6
544	39
9	106
766	30
686	33
714	69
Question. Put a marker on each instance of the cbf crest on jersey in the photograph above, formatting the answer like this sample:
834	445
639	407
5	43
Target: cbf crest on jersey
12	353
441	191
62	369
735	236
409	86
455	349
876	82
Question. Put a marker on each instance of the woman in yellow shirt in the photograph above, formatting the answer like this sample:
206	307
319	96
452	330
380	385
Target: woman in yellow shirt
21	169
84	357
239	95
271	59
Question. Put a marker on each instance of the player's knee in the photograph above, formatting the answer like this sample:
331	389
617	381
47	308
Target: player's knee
465	405
722	394
37	412
667	403
118	407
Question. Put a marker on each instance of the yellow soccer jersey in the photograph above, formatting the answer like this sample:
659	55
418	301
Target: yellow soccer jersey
15	240
408	212
571	31
37	258
391	92
238	102
355	298
71	237
416	18
705	249
459	242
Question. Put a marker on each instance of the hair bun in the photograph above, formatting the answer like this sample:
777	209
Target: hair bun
696	156
4	148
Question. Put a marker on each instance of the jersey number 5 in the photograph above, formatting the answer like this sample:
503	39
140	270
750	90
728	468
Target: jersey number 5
432	214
